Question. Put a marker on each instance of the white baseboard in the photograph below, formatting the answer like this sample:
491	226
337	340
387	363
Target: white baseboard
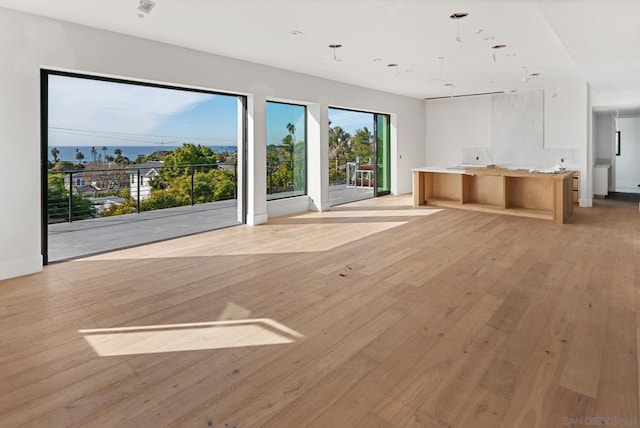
586	202
286	206
257	219
20	267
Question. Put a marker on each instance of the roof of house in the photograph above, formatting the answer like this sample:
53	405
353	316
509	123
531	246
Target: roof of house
145	167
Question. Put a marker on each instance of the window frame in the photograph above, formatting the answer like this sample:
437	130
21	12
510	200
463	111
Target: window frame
270	197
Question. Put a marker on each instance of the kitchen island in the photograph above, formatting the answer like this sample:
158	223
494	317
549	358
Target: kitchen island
496	190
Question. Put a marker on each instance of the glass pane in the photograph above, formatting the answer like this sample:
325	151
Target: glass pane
120	154
351	156
286	150
383	139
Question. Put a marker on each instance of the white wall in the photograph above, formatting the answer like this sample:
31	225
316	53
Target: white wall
604	130
454	124
29	42
627	167
460	129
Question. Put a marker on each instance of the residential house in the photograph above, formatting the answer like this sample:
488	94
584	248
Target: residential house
140	178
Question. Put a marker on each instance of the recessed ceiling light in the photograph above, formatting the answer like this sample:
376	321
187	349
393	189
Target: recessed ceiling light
459	15
295	32
498	46
146	6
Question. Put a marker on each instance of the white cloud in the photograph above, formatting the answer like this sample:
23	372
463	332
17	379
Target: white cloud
113	107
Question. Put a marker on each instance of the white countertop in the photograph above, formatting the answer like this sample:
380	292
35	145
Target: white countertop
456	169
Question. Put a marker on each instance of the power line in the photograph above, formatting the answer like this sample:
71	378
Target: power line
124	137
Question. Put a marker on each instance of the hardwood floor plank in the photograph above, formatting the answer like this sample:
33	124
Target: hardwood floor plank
570	408
483	409
618	387
418	317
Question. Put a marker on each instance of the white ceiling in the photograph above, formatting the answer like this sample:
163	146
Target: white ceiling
596	40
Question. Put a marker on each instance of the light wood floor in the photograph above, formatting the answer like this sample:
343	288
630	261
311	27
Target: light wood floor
374	314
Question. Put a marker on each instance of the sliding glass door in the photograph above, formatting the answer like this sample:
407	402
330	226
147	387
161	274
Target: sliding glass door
359	155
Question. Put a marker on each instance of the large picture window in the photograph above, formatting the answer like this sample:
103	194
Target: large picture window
127	163
286	150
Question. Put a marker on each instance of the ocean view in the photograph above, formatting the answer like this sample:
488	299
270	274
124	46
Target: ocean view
68	153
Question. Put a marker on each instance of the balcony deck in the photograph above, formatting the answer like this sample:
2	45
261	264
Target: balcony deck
98	235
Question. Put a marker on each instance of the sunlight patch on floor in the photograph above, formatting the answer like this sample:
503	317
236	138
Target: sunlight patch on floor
109	342
278	238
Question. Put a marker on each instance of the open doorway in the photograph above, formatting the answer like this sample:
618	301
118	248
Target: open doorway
627	154
359	155
127	163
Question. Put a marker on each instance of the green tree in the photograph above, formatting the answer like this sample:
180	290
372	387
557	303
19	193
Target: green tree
289	141
361	145
58	201
55	152
141	159
79	156
63	166
208	186
119	159
180	162
128	206
339	153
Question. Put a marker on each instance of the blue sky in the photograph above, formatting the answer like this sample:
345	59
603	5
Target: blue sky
278	116
350	121
86	112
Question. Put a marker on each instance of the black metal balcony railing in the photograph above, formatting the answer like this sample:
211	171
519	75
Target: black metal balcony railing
284	176
105	190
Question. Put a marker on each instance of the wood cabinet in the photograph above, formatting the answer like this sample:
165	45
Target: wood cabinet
497	190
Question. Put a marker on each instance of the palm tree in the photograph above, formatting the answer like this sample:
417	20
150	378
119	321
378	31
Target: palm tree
292	130
339	151
339	142
79	156
104	150
55	152
94	154
289	142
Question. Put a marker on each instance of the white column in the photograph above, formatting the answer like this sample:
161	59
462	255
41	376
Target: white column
256	160
318	157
